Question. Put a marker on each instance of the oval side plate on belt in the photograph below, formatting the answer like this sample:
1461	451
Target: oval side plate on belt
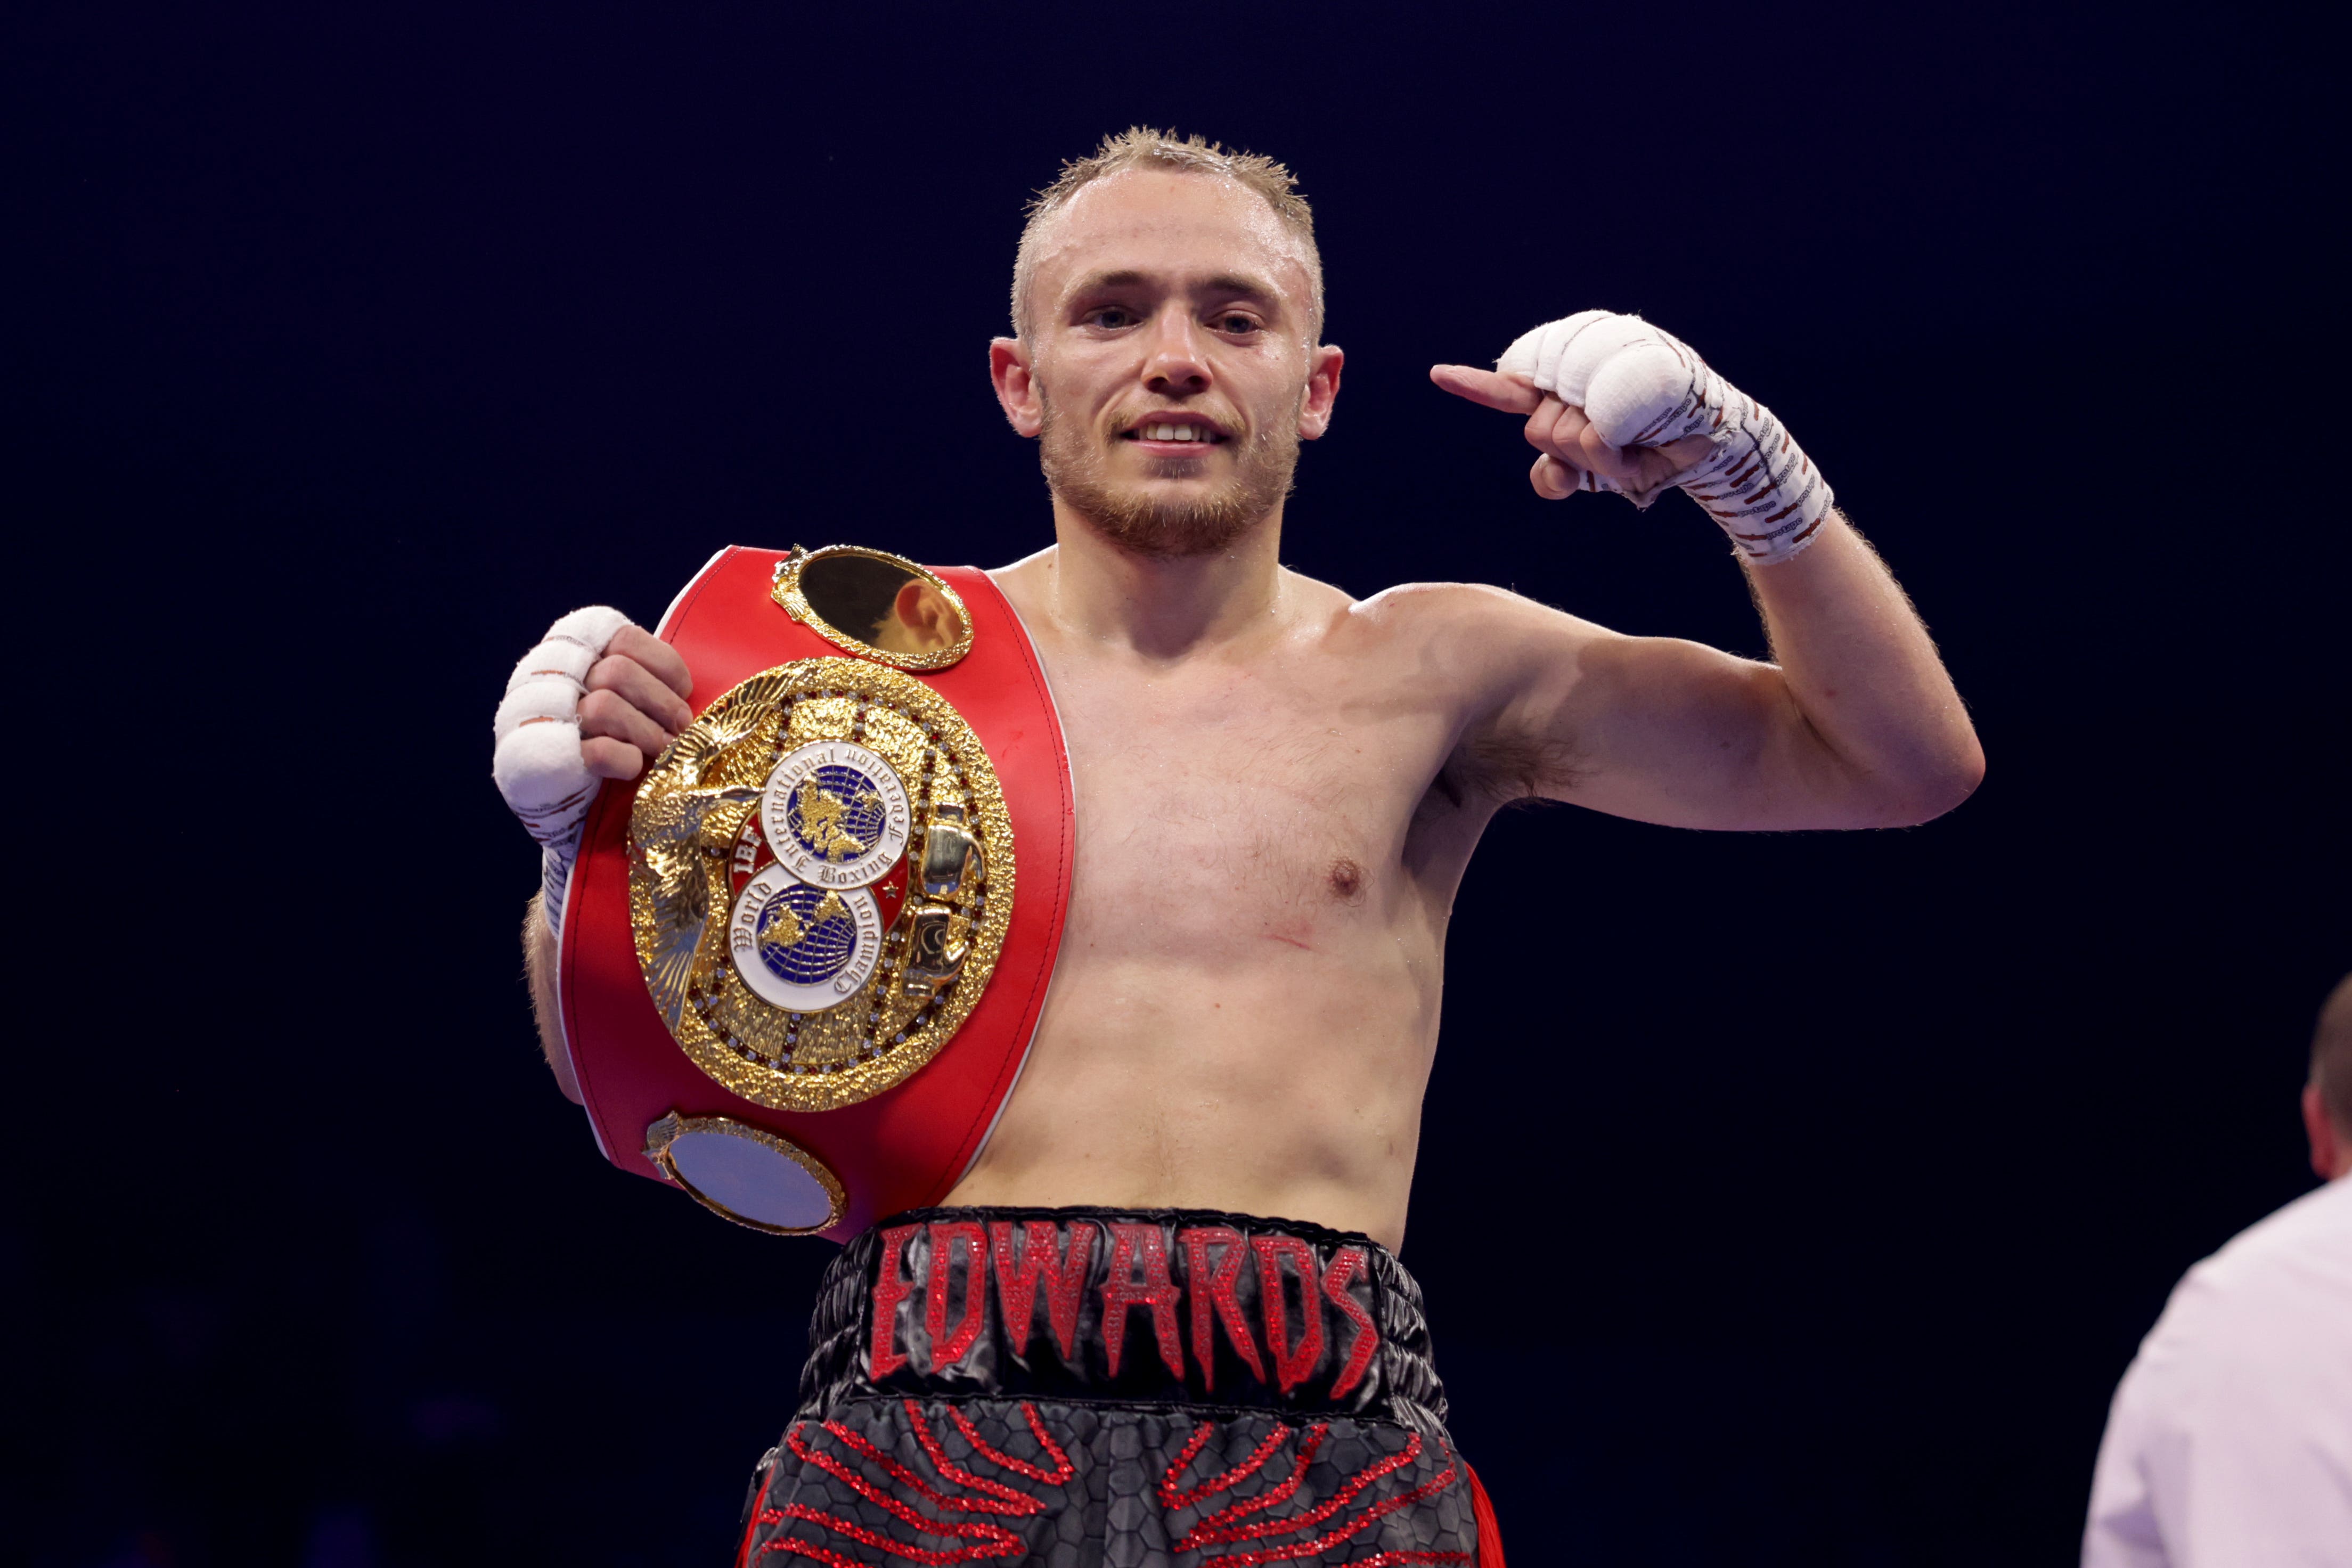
820	881
747	1173
875	604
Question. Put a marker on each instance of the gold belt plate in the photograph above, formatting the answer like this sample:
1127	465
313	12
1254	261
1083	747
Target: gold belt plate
708	896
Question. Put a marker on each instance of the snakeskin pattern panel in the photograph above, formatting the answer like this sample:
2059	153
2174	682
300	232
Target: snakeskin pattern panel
888	1482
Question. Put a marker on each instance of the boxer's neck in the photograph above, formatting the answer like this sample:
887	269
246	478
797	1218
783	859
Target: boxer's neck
1160	607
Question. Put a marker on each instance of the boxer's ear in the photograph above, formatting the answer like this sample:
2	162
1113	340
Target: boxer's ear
1016	385
2330	1157
1323	367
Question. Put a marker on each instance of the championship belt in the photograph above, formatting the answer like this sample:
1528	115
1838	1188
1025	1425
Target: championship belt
804	954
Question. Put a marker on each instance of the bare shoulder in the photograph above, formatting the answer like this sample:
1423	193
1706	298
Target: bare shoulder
1471	621
1479	653
1484	655
1027	575
1315	602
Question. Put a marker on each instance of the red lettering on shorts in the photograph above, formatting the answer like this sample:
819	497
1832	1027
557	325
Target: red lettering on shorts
1017	1280
1293	1364
1213	1291
1122	1293
947	1348
890	1287
1348	1266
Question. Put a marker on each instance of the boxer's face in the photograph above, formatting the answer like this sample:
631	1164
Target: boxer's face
1169	371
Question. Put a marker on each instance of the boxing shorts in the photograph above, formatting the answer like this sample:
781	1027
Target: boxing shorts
1084	1386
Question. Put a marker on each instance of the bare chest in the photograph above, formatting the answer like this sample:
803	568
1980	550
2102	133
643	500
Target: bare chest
1227	805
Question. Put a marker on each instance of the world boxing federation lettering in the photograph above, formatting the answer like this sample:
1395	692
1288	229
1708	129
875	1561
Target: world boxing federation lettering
1216	1305
801	947
834	814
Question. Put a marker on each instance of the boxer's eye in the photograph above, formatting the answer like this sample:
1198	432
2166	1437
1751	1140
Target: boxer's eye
1236	323
1110	318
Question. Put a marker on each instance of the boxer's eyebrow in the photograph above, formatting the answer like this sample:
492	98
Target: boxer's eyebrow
1256	288
1227	284
1095	282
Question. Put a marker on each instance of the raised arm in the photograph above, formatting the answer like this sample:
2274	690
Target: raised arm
1855	723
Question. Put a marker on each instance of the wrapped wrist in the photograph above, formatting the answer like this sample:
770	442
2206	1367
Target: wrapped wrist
536	764
1642	386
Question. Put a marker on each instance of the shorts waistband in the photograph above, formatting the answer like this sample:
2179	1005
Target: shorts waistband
1149	1306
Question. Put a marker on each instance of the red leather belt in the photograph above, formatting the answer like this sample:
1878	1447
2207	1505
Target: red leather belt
805	955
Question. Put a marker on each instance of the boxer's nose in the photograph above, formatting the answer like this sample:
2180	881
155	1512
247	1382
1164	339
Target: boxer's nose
1175	364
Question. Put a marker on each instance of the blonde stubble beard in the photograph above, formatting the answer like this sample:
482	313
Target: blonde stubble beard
1165	531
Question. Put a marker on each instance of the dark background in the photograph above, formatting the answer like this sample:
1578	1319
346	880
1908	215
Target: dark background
347	345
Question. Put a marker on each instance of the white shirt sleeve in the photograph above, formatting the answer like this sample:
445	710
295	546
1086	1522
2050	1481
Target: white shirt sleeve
2230	1442
2123	1531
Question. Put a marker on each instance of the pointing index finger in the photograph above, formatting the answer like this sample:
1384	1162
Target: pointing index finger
1511	393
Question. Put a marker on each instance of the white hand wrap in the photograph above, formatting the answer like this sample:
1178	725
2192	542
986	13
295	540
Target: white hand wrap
537	765
1642	386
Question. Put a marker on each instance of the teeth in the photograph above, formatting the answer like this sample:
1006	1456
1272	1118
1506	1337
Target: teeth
1175	433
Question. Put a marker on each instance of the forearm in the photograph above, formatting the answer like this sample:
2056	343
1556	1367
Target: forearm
540	959
1856	725
1864	679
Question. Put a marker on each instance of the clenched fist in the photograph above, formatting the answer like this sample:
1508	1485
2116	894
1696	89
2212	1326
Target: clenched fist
597	699
634	704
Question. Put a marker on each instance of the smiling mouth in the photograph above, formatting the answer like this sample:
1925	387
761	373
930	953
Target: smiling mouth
1180	432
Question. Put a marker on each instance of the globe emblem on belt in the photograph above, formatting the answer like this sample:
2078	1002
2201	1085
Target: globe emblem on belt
836	812
836	815
800	947
807	935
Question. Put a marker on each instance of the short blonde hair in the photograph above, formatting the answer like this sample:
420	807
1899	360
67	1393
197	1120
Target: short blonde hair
1141	147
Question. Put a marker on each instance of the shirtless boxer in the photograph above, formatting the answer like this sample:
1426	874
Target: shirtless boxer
1277	790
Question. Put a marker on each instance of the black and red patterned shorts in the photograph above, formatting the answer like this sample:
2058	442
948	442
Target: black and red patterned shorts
1078	1387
